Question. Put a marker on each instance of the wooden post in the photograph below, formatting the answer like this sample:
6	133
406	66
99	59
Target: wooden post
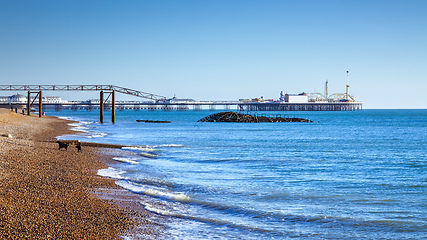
29	103
40	104
113	107
101	107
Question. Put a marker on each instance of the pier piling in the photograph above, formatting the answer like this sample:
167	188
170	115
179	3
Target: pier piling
113	107
29	103
40	104
101	107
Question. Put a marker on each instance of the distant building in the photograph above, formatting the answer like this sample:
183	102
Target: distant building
18	98
178	100
53	100
296	98
57	100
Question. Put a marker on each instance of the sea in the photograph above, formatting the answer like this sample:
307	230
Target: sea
346	175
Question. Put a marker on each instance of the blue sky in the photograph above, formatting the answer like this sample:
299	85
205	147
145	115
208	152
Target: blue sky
220	50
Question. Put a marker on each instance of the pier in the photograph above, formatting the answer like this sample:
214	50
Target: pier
107	101
198	106
311	106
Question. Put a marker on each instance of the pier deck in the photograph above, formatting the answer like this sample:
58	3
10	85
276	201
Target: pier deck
197	106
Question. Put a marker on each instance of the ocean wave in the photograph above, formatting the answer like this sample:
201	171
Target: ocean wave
153	181
125	160
78	127
111	172
147	152
156	209
172	212
154	191
149	155
144	149
78	123
95	135
65	118
167	145
83	128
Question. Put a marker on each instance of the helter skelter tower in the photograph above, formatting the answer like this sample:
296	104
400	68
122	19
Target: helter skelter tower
346	88
326	91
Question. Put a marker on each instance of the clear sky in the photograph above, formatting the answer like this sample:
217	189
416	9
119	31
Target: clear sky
220	49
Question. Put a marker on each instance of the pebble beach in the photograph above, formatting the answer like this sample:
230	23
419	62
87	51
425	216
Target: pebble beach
47	193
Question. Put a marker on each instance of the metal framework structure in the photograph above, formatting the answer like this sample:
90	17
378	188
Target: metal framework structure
111	89
82	88
336	97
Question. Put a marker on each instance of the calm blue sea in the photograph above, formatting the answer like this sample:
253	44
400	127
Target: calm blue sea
348	175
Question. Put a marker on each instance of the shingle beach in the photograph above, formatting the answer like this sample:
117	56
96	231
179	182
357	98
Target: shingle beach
46	193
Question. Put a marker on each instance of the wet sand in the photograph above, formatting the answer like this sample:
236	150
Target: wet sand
46	193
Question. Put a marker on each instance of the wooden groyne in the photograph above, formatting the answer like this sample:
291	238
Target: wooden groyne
153	121
247	118
91	144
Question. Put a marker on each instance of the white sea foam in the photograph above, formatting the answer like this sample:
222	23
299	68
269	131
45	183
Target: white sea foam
96	135
145	149
151	150
125	160
78	127
167	145
65	118
82	126
154	191
155	209
131	148
111	172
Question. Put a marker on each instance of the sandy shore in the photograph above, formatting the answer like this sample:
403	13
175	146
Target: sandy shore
46	193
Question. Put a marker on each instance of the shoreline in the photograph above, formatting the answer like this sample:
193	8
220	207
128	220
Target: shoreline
51	193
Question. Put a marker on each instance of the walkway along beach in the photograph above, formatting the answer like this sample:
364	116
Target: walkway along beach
47	193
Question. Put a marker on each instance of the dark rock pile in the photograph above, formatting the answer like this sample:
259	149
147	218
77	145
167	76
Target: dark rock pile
247	118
